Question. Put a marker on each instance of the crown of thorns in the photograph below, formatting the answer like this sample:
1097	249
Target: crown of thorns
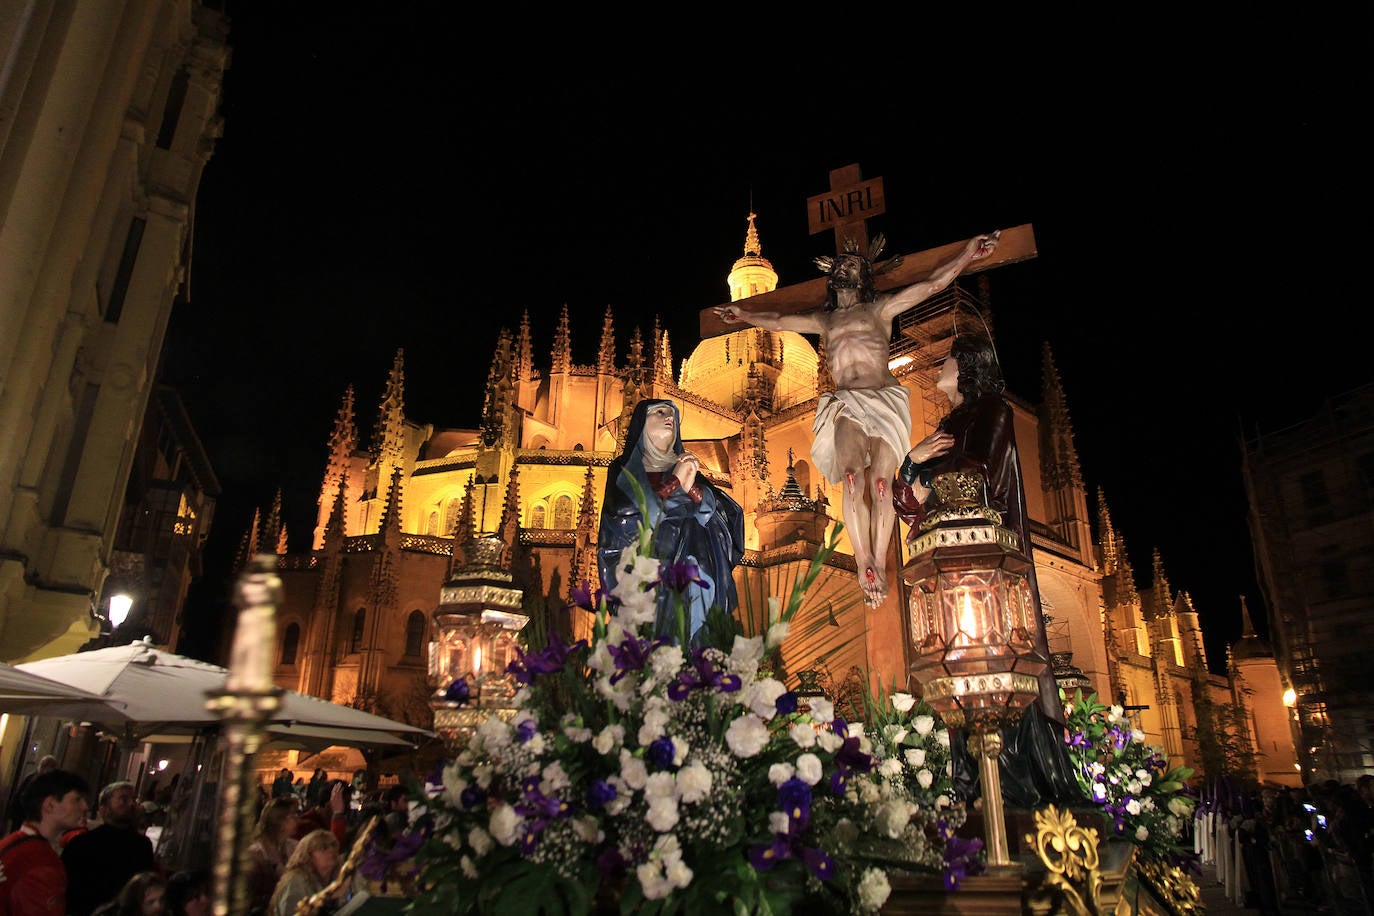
875	250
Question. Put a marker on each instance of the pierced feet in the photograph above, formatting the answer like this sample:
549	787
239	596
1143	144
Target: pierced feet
874	586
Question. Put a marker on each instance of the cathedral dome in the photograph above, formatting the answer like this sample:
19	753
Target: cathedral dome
724	368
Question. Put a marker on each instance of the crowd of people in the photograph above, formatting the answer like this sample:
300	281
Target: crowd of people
63	859
1309	847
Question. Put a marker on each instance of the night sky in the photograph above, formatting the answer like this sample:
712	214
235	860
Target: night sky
408	178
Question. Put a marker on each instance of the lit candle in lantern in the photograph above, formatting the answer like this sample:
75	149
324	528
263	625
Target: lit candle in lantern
968	616
476	661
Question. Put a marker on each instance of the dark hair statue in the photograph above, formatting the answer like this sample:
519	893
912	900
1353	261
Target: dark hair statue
1035	767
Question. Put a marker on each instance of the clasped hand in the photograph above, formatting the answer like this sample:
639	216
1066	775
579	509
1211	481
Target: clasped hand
686	470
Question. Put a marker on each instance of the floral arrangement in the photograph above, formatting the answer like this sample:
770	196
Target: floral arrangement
644	774
1142	799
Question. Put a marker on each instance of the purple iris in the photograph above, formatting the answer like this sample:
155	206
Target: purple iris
1077	739
458	691
585	597
702	673
525	730
537	809
678	576
600	793
551	659
471	797
961	856
787	703
379	863
632	655
661	753
795	798
848	759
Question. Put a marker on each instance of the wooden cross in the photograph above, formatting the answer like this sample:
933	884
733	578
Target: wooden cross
844	209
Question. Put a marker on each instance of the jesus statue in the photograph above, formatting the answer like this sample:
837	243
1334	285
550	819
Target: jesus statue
862	428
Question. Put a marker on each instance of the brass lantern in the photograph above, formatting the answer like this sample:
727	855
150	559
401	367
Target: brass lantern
973	614
476	633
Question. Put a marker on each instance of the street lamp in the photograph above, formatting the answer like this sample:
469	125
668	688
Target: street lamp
973	613
120	603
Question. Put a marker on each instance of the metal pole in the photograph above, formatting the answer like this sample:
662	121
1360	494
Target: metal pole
248	700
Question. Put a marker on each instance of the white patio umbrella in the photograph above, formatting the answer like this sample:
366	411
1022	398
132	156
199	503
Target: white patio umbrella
26	694
161	693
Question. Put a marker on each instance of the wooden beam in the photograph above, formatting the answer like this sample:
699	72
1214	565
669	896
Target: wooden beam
1015	245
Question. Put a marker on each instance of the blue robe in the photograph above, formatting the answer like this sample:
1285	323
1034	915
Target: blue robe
709	533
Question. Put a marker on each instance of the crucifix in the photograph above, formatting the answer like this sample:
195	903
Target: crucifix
862	429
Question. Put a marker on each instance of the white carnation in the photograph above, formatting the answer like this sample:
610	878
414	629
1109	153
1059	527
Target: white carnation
693	782
822	710
747	735
779	773
504	825
873	889
802	734
809	769
609	738
479	840
763	697
662	814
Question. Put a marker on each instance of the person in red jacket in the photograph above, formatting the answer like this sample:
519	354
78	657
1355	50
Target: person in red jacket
33	881
328	815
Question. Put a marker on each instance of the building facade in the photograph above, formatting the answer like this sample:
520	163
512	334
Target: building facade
1311	493
393	517
108	114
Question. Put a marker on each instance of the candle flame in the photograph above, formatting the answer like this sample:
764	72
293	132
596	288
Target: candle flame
968	617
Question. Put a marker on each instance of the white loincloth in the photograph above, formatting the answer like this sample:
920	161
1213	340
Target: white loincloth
883	413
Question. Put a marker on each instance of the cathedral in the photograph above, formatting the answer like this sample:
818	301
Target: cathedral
397	519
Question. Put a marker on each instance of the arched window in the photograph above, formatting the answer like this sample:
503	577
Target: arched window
451	516
289	641
359	619
432	527
415	634
537	515
563	512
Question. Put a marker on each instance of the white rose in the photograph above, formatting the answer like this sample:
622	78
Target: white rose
809	769
873	889
915	757
469	869
894	734
504	825
1133	807
587	829
942	736
924	777
1142	833
924	725
747	735
902	702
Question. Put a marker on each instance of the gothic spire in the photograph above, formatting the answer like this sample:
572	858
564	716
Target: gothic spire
524	351
334	530
389	438
508	530
561	358
390	527
1106	536
248	545
634	359
605	353
500	398
1163	597
1061	458
269	537
462	531
343	442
